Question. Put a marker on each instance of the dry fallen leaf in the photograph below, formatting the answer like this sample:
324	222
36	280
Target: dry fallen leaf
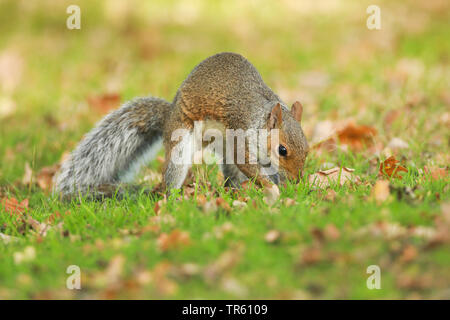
311	255
28	175
234	287
104	103
442	234
323	179
356	137
163	283
348	133
288	202
435	172
221	203
44	178
115	268
391	168
397	143
7	239
11	70
40	228
322	131
158	206
111	276
380	191
330	195
224	262
201	200
173	240
409	253
210	206
272	236
239	204
27	255
272	193
223	229
331	232
7	106
12	206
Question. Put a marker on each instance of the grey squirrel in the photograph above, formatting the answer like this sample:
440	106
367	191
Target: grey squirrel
225	89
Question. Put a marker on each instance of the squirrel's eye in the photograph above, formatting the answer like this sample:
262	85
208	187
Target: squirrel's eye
282	150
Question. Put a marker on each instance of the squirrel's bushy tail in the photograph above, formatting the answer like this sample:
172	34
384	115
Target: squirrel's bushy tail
116	148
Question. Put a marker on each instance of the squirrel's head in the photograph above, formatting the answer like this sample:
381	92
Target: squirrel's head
291	149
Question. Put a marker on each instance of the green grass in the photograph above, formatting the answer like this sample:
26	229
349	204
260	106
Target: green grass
149	49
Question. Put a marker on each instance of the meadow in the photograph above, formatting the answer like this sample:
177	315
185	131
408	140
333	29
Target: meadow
375	102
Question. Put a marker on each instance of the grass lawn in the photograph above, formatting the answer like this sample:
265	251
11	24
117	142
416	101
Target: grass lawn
367	95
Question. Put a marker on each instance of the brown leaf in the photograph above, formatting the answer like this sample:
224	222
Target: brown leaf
104	103
223	229
331	195
397	143
40	228
380	191
151	228
390	117
234	287
111	276
28	175
173	240
225	262
28	254
189	190
409	253
220	202
163	283
272	193
288	202
311	255
201	200
331	232
11	70
356	137
442	234
7	239
239	204
248	184
45	176
323	179
158	206
115	268
323	131
436	173
12	206
210	206
391	168
272	236
416	282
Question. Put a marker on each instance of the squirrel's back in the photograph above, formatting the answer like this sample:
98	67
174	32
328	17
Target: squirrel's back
220	85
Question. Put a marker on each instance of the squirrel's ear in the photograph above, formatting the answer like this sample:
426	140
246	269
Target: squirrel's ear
297	110
275	117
